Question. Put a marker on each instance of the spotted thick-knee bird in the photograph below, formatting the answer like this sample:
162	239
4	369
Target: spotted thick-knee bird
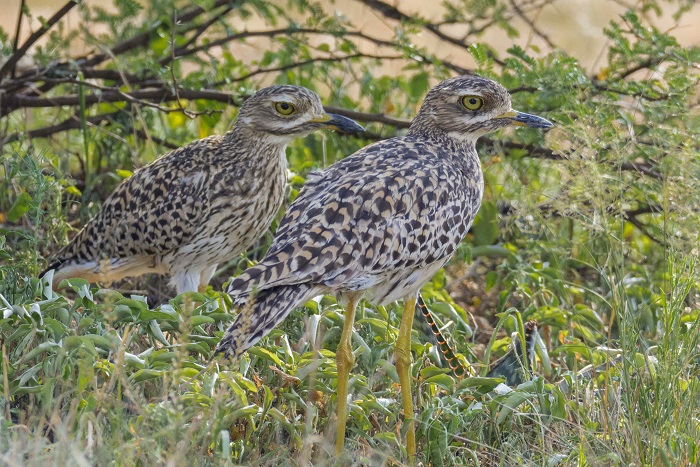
201	204
378	224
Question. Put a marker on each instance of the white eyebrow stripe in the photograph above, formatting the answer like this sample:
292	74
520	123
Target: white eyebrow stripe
283	98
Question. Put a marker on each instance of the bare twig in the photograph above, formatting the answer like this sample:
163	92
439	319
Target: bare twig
206	25
175	86
640	94
368	117
71	123
394	13
18	29
35	36
649	63
142	134
644	229
529	149
532	24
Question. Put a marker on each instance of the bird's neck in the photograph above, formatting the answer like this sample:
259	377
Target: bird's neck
261	143
459	145
265	157
424	126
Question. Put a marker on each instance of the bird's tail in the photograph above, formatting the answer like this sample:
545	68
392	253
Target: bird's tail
105	270
57	265
261	314
54	265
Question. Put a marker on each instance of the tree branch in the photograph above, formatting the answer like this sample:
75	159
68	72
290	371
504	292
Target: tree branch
18	29
521	14
368	117
394	13
311	61
289	31
16	101
19	53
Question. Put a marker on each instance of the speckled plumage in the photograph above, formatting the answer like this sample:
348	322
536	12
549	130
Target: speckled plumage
201	204
382	221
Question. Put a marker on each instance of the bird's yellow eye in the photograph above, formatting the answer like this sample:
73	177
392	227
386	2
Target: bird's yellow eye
472	102
284	108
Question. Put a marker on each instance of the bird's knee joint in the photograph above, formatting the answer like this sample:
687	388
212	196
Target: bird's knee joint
344	357
402	358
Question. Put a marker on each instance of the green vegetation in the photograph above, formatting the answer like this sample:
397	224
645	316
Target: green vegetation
591	229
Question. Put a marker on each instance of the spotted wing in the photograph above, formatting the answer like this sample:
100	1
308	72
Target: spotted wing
155	211
392	205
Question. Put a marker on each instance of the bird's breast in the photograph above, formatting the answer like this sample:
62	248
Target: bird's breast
246	206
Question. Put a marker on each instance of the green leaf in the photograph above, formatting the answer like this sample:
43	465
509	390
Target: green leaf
163	356
100	341
480	54
133	304
148	315
199	347
483	383
19	207
265	354
74	342
572	348
373	405
146	374
243	412
431	371
444	381
157	332
418	85
512	402
73	190
491	279
378	326
132	360
197	320
485	227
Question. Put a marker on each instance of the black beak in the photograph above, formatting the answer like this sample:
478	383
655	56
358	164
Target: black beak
340	123
523	119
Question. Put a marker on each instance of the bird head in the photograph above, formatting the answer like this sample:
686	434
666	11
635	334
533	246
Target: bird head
286	112
466	107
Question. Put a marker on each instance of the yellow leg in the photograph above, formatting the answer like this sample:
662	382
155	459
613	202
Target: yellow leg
344	361
402	353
